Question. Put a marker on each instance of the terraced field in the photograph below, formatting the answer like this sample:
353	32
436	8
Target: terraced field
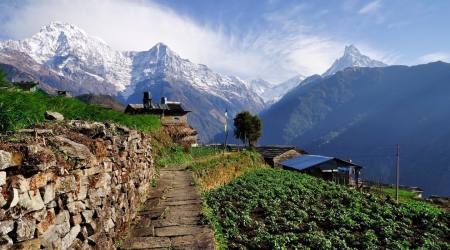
278	209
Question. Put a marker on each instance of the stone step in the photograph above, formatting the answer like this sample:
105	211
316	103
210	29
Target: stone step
147	243
183	202
179	230
152	213
195	220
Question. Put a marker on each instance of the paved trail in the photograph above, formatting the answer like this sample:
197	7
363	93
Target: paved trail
171	216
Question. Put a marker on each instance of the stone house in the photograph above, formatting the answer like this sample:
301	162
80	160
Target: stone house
173	116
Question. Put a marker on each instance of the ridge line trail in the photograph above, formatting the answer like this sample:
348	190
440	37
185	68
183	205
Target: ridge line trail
171	218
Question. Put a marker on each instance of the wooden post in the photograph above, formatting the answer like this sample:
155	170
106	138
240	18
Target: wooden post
397	172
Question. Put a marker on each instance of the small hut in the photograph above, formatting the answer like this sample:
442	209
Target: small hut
171	113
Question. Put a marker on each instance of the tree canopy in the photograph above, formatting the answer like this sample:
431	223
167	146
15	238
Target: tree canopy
247	128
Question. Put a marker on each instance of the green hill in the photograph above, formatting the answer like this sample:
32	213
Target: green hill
20	109
279	209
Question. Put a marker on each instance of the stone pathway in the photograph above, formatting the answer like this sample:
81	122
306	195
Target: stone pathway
171	216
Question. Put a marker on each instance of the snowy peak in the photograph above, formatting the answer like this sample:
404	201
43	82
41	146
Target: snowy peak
69	50
351	50
352	58
271	92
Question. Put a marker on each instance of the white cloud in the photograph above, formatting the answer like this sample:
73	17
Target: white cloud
433	57
286	48
370	7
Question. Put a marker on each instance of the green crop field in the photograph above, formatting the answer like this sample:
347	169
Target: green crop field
22	109
279	209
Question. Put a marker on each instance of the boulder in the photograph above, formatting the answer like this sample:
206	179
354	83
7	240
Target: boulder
67	241
25	229
13	197
93	129
41	157
53	116
49	193
62	223
76	219
29	244
66	184
44	225
74	149
87	215
76	207
2	178
5	159
5	242
108	225
31	201
6	226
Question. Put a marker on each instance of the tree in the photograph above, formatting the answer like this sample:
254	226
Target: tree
247	128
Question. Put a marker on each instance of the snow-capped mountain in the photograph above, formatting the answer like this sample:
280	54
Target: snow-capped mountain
85	64
260	86
70	52
352	58
272	93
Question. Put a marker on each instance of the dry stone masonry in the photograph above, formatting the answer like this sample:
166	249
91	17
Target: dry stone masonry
71	185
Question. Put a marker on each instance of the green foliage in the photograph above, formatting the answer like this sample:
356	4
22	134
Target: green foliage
3	81
278	209
199	152
22	109
171	156
403	195
247	128
153	183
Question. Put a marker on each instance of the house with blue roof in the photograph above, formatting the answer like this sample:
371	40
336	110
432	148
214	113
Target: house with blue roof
328	168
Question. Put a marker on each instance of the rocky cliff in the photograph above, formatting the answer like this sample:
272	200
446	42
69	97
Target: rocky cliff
71	184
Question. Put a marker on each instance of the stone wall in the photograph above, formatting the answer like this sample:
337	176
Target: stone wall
71	184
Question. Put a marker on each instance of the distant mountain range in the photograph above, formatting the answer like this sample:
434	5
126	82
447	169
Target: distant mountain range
62	56
271	92
362	113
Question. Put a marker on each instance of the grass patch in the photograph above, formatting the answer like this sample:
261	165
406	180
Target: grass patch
200	152
22	109
403	195
221	170
279	209
172	156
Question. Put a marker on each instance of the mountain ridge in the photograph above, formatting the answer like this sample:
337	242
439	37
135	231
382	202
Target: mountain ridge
355	113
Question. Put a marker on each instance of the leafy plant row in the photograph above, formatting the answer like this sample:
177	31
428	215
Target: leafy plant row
279	209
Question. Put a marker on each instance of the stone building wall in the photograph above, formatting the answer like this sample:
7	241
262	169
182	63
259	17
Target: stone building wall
71	184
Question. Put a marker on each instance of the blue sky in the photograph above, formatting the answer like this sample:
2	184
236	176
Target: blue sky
272	39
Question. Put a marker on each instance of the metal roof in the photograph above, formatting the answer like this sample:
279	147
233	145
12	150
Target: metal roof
305	161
